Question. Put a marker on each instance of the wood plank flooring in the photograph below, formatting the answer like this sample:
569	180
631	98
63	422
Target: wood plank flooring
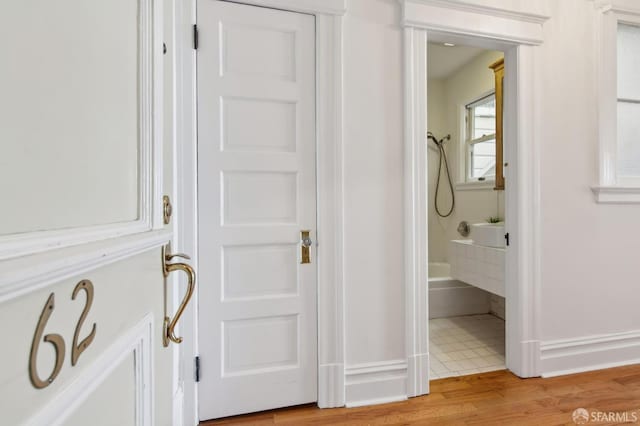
495	398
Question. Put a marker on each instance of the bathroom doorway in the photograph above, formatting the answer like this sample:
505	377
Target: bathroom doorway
517	34
466	209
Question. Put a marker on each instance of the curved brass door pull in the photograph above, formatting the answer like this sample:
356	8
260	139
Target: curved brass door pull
170	324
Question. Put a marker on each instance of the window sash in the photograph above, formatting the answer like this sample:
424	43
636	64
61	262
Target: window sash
470	141
469	163
482	139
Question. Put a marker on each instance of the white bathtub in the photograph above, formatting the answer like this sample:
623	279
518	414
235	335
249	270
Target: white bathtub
449	297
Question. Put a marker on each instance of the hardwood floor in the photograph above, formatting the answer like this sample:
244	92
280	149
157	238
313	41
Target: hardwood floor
495	398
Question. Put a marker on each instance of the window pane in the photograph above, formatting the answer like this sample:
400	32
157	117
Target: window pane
483	159
628	62
484	118
628	139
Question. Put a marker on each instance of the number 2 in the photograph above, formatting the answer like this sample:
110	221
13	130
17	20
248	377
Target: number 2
77	349
56	340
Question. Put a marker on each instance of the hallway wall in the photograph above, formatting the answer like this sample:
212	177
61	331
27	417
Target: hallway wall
373	182
588	273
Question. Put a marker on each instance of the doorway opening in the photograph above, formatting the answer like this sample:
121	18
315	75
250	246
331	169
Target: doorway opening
521	208
466	209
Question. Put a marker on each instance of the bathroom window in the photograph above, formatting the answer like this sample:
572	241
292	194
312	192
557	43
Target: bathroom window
480	139
618	67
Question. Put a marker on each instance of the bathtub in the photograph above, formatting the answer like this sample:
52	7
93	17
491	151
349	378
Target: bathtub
449	297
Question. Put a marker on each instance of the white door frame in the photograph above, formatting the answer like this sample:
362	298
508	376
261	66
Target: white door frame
517	34
328	15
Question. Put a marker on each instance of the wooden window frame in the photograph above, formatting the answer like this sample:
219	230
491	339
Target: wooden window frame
498	70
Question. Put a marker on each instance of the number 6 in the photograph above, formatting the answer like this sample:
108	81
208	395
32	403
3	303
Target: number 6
55	339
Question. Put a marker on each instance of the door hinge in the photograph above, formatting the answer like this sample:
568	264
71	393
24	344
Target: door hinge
195	37
506	239
197	369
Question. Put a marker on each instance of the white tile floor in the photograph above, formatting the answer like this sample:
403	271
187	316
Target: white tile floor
466	345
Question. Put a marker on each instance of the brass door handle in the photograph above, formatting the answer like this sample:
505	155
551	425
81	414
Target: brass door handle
168	334
305	243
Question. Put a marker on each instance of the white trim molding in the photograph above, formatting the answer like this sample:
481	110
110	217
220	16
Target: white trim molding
150	167
330	172
569	356
415	220
611	189
331	385
30	273
185	198
475	186
616	194
137	341
522	210
518	34
454	17
312	7
376	383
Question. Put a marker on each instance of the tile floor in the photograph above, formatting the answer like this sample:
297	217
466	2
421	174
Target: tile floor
466	345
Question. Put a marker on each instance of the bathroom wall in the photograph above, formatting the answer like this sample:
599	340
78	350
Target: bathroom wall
437	124
446	97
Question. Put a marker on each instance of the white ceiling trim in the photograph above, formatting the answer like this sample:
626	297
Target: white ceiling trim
627	7
325	7
461	18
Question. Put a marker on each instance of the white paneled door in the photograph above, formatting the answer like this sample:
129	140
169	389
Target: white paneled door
256	192
86	143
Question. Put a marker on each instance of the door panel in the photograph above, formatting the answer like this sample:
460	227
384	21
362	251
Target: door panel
82	291
256	192
72	96
113	396
127	309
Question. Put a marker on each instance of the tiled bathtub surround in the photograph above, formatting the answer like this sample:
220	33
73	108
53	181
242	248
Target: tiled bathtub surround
480	266
465	345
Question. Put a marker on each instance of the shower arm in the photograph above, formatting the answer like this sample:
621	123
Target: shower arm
436	141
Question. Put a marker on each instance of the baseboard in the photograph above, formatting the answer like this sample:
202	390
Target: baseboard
523	360
418	375
331	385
376	383
568	356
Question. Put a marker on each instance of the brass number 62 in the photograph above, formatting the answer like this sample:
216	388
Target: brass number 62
56	340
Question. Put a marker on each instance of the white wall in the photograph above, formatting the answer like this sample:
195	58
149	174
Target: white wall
373	182
446	97
589	276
